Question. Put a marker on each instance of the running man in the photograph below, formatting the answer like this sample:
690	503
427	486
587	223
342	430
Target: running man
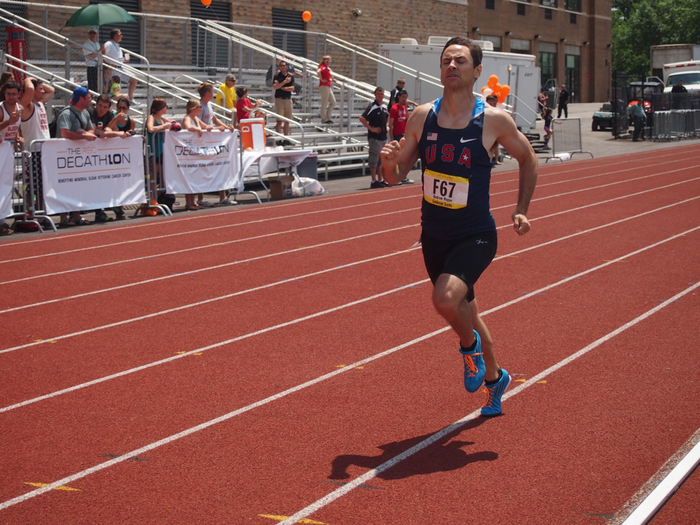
453	136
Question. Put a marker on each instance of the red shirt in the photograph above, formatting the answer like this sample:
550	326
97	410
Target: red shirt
243	108
400	116
325	79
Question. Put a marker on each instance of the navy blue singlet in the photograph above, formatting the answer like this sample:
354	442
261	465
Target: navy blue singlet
456	177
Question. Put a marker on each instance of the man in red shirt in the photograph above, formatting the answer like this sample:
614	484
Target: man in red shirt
398	115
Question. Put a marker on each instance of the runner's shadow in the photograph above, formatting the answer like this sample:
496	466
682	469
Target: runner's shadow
442	456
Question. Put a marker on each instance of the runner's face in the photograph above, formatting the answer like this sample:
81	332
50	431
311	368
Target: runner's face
11	96
457	67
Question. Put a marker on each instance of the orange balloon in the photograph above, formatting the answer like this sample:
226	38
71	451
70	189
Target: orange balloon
305	16
502	98
484	89
493	80
505	90
206	3
497	87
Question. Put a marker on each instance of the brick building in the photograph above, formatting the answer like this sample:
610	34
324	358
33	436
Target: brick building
570	38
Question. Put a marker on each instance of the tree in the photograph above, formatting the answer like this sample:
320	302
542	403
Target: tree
639	24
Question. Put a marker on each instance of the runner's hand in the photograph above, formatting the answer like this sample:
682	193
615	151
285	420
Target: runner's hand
391	153
520	223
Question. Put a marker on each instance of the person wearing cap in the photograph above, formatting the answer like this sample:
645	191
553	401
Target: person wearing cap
92	50
74	123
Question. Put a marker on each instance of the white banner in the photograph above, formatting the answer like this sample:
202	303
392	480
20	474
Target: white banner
90	175
7	176
194	164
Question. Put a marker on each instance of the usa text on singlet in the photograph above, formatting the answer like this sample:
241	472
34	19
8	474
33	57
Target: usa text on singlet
456	177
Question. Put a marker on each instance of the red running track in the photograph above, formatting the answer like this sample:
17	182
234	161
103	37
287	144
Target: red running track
285	360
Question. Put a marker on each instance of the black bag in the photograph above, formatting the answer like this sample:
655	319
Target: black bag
166	199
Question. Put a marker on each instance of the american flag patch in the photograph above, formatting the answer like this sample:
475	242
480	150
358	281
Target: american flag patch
432	136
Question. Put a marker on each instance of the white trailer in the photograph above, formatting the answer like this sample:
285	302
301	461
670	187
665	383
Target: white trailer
688	71
516	70
671	53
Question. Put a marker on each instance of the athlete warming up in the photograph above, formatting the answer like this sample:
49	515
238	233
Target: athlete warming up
453	137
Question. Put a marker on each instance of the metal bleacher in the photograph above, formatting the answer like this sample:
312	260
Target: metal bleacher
340	146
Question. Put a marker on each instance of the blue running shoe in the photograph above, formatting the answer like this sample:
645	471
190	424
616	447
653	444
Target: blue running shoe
492	407
474	367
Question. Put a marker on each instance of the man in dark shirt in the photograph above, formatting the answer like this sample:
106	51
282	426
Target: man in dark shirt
374	119
283	85
394	94
563	103
103	119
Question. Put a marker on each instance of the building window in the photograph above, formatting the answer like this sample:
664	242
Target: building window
547	14
490	4
495	40
572	5
519	46
572	18
549	3
521	9
548	62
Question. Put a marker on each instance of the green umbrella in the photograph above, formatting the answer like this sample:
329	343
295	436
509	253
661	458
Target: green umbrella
99	15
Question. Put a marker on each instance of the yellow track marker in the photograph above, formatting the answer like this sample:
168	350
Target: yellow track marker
52	342
62	487
541	382
282	518
523	380
179	353
340	366
38	340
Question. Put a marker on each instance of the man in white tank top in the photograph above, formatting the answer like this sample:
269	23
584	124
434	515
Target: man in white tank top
35	123
10	112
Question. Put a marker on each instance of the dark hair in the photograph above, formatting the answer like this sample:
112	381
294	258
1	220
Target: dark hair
125	100
36	82
204	87
104	97
401	92
113	33
241	91
10	84
5	77
378	89
157	105
473	47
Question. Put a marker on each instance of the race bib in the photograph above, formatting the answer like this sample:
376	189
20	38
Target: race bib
445	190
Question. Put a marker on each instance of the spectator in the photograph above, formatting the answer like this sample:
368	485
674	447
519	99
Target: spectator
124	122
4	78
397	122
156	126
393	94
35	126
677	94
209	121
374	119
103	120
325	80
115	87
192	123
563	103
228	88
638	119
244	104
92	51
113	50
74	123
542	101
284	87
547	126
492	100
10	113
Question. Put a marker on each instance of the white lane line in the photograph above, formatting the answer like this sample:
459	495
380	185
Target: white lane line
206	269
342	491
212	245
225	243
274	327
347	488
649	499
155	279
209	229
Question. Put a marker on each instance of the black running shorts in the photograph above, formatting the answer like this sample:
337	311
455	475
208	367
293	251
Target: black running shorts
465	258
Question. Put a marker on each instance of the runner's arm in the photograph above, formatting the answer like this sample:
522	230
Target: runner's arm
519	148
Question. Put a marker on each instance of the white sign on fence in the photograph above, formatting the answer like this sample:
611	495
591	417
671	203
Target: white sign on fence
199	164
89	175
7	175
